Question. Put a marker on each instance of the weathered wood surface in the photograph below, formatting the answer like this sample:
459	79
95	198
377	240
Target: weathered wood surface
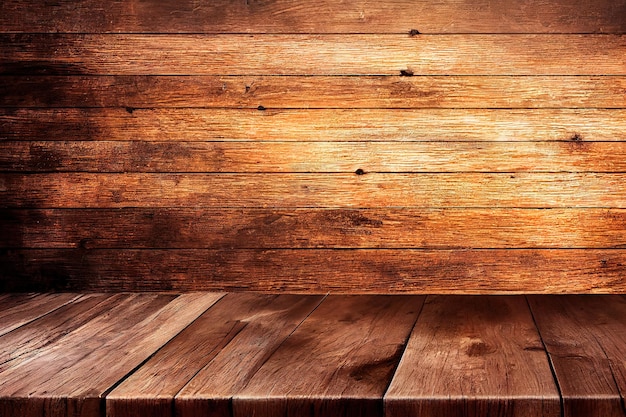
340	361
303	157
19	309
214	355
486	271
584	337
345	54
473	356
370	190
295	125
345	92
321	16
223	228
71	377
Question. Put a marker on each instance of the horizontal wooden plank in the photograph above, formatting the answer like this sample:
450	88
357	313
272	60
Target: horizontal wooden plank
487	271
218	352
196	228
584	336
338	362
305	157
70	377
369	190
316	54
20	309
474	357
324	125
321	16
313	91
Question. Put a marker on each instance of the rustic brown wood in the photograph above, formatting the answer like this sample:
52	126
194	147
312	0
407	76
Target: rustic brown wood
316	54
313	228
338	362
318	92
220	351
324	125
584	336
48	329
488	271
473	356
520	190
19	309
322	16
302	157
70	377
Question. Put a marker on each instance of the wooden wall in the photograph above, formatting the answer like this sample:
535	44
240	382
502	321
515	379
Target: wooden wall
355	146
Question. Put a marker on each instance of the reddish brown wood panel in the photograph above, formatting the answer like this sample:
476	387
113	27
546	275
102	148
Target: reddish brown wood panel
223	228
19	309
304	157
488	271
338	362
473	356
321	16
220	348
317	54
295	125
584	336
337	92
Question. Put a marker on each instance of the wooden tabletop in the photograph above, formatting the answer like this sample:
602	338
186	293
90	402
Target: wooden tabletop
243	354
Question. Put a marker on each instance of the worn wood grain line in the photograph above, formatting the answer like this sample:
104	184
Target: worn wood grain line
473	356
196	228
584	336
316	54
323	125
370	190
338	362
314	91
222	348
304	157
70	377
19	309
321	270
322	16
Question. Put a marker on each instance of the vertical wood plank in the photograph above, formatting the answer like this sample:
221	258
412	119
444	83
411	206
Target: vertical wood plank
221	349
338	362
586	339
473	356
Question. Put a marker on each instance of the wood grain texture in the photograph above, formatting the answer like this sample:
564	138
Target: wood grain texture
338	362
321	16
198	228
220	349
264	328
371	190
286	92
304	157
584	336
488	271
316	54
324	125
69	378
19	309
473	356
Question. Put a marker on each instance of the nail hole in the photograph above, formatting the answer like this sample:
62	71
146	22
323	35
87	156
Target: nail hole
359	172
130	110
406	73
576	138
261	108
414	32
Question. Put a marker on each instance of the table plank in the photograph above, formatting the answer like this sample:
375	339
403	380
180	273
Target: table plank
584	336
268	228
338	362
474	356
70	377
463	54
374	271
320	16
298	92
19	309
